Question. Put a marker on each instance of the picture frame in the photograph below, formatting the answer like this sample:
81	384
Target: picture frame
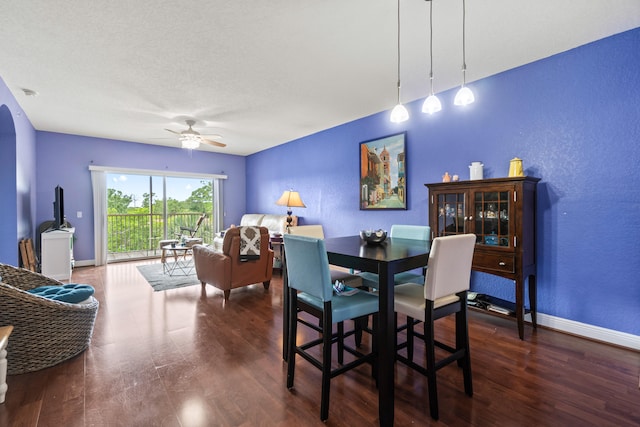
383	173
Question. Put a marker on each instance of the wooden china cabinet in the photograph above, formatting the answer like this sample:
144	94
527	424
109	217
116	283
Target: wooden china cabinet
501	213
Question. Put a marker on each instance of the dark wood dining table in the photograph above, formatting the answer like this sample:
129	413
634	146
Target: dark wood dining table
386	259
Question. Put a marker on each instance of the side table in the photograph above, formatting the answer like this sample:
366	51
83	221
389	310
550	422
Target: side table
5	331
276	242
183	260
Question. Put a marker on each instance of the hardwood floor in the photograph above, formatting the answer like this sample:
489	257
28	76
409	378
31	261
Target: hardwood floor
184	358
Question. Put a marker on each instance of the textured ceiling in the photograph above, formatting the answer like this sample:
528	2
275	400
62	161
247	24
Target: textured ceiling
264	73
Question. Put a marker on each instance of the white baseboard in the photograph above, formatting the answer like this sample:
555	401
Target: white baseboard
84	263
598	333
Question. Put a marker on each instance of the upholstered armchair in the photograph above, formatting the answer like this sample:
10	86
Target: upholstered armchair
229	269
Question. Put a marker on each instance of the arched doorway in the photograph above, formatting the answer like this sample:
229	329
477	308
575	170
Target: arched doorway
8	199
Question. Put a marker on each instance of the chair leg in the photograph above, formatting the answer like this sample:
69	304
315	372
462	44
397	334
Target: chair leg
462	339
360	324
291	344
340	343
410	336
326	365
431	360
374	348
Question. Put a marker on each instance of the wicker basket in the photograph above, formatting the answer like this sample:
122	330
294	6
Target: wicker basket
46	332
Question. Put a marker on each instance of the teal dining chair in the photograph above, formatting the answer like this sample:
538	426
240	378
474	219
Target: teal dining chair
399	231
311	291
339	274
443	293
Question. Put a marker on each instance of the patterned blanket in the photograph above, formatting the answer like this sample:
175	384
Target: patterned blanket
249	243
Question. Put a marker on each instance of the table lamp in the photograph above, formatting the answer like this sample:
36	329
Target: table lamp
290	199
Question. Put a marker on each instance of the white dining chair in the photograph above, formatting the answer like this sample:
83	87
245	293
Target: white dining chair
444	293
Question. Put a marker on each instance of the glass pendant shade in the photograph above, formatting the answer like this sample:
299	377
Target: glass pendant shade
464	96
431	105
399	114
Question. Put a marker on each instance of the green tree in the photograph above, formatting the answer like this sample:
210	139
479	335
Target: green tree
117	201
145	200
175	206
201	198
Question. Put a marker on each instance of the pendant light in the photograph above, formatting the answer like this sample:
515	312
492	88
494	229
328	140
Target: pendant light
464	95
432	103
399	113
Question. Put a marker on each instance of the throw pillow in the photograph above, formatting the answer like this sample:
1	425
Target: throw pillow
71	293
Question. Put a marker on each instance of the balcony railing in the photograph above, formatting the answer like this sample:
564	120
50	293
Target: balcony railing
133	236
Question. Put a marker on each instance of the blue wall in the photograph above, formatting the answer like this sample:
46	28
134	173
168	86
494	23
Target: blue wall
575	120
17	171
64	160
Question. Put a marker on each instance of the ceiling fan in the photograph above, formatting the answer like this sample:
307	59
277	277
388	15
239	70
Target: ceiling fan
191	139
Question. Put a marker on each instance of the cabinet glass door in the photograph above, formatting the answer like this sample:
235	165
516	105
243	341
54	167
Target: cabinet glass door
451	213
491	218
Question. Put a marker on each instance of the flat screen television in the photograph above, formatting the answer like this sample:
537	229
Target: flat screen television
58	209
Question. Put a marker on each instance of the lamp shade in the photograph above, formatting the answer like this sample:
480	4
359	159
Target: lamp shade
290	198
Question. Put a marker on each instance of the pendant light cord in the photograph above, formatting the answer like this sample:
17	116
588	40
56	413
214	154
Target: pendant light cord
398	51
464	55
431	44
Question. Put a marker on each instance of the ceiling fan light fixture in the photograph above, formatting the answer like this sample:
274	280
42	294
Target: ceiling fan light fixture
190	141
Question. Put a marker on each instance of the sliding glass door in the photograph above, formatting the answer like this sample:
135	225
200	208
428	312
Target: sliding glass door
144	209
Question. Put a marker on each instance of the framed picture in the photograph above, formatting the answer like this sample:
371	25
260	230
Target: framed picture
383	176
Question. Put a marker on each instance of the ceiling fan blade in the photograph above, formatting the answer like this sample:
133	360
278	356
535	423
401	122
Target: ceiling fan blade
211	142
172	131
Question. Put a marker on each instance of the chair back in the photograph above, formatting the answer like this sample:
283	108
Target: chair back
192	231
308	266
308	230
414	232
449	269
199	222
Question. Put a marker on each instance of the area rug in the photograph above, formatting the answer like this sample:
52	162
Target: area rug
160	281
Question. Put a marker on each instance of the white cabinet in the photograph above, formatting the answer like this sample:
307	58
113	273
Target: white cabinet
57	253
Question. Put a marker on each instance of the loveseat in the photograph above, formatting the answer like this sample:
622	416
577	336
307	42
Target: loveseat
276	224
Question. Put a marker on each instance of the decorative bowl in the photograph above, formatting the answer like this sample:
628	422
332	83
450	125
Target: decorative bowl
373	236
